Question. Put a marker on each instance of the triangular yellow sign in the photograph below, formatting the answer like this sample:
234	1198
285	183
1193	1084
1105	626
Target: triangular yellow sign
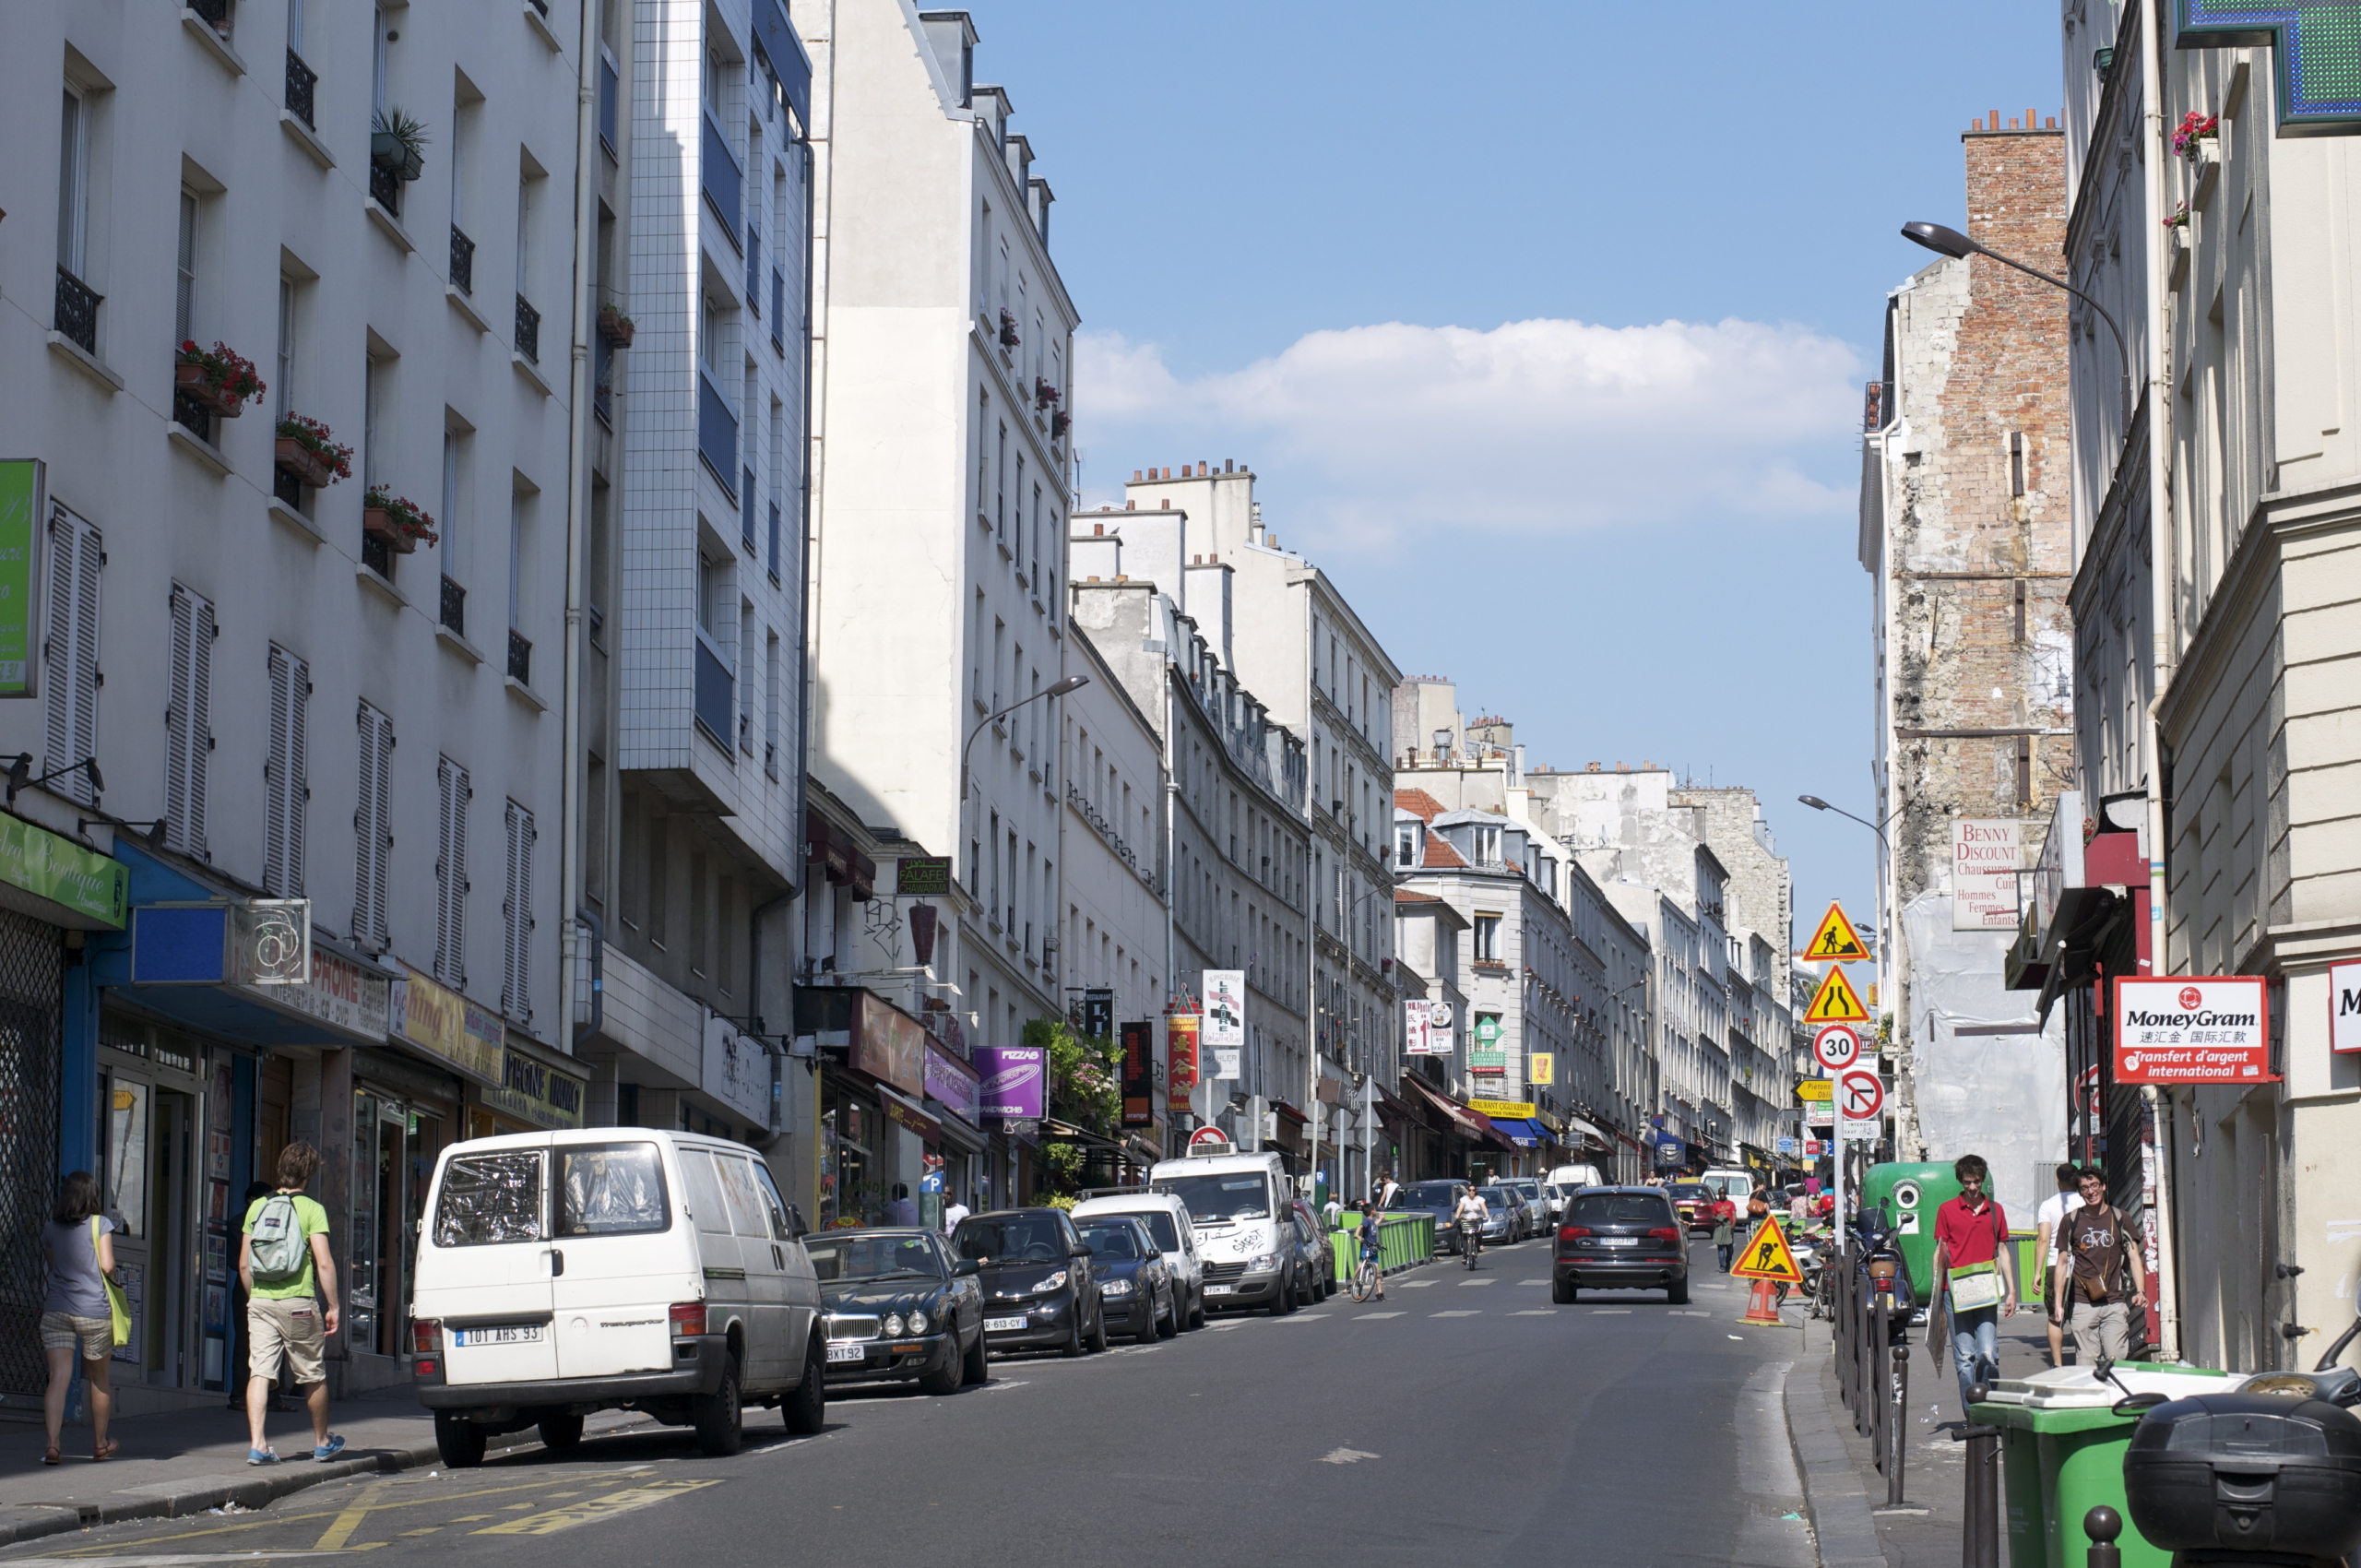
1836	1002
1767	1256
1835	941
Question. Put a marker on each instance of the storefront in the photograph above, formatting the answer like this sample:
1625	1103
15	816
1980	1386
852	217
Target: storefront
873	1057
953	1094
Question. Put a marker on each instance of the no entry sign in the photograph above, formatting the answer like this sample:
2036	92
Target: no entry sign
2192	1030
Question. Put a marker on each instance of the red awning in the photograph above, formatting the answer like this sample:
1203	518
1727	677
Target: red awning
847	865
1288	1112
1465	1123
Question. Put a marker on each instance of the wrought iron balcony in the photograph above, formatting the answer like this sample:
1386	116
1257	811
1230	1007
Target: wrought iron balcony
214	14
377	555
528	330
193	417
463	261
285	488
385	187
454	605
300	81
520	658
77	311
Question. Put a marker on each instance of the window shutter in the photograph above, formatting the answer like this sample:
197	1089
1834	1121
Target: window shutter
285	772
516	910
188	720
372	828
451	874
71	656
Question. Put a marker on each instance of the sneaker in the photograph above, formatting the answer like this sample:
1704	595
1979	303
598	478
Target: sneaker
330	1449
262	1456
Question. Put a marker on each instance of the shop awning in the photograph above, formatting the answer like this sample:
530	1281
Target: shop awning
1465	1123
836	849
1576	1124
909	1114
1288	1112
1523	1133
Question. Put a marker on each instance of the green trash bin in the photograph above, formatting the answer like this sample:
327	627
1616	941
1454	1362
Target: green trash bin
2061	1455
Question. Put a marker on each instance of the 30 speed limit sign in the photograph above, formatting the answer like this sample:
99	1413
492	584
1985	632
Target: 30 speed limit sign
1837	1046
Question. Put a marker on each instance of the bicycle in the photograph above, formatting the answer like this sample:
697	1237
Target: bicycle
1471	1238
1366	1280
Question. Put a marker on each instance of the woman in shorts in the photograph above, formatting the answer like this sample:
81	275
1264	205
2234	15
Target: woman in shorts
75	1316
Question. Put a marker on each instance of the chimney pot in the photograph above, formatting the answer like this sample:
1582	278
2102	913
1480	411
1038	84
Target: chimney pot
1166	503
1135	476
2030	121
1098	528
1226	464
1201	468
1092	577
1168	473
2050	123
1122	577
1996	120
1131	506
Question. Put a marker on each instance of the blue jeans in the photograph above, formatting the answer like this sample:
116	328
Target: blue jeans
1975	1348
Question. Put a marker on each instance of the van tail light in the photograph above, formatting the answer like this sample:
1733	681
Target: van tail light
1664	1233
1568	1232
688	1319
426	1334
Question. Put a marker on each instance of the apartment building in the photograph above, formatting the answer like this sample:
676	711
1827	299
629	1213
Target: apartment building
286	316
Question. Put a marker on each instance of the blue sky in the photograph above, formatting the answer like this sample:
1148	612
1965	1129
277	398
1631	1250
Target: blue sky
1542	324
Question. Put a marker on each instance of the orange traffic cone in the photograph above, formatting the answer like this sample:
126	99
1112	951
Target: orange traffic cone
1761	1306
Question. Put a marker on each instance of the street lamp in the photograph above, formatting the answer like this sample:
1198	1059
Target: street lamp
1953	244
1816	803
1058	689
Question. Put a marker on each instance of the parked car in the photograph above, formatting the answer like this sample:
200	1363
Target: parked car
1237	1204
1620	1239
899	1308
1534	1212
1694	1202
611	1267
1436	1198
1318	1277
1041	1287
1132	1280
1553	1200
1166	1219
1505	1222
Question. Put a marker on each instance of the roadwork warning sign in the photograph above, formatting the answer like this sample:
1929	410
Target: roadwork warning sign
1767	1256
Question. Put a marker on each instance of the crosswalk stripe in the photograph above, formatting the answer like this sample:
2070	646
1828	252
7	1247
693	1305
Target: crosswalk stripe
1456	1314
1610	1312
1535	1312
1374	1316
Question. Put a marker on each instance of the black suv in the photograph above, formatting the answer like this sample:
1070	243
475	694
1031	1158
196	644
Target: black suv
1619	1239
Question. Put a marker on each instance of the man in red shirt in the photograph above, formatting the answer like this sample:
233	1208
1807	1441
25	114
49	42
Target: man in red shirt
1980	1273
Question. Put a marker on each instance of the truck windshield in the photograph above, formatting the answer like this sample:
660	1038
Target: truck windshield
1219	1198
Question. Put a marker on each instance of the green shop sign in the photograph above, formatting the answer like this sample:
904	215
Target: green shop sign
21	484
56	869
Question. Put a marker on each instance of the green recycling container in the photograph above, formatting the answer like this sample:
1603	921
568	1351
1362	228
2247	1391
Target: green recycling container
2056	1466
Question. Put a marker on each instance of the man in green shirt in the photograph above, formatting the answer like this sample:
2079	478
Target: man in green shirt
284	1263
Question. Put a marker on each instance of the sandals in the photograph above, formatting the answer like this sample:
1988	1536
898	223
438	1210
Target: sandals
115	1446
50	1455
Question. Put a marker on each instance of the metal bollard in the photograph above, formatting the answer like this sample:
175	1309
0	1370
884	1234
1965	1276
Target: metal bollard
2103	1524
1897	1423
1980	1533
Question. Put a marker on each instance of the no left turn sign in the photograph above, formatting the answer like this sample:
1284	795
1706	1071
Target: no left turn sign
1837	1046
1859	1096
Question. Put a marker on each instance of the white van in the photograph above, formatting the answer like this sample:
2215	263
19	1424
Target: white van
1238	1206
562	1273
1166	1219
1569	1177
1734	1183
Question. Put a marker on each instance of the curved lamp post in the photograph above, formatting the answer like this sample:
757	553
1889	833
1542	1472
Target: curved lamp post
1953	244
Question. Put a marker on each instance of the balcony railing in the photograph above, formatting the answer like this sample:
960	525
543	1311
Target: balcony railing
77	311
214	14
715	690
463	261
721	177
520	658
528	330
300	81
285	488
754	269
602	379
193	417
716	431
746	508
385	188
377	555
455	605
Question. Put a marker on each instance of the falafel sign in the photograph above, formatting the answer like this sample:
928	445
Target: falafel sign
2192	1030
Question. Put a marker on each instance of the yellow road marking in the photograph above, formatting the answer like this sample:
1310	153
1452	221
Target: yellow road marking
340	1530
595	1509
428	1531
265	1519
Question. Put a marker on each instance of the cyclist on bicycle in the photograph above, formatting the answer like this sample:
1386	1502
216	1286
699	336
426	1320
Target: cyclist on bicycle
1368	1233
1469	1213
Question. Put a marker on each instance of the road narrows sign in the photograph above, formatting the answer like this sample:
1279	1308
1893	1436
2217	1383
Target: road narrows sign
1836	1002
1836	1046
1835	941
1768	1256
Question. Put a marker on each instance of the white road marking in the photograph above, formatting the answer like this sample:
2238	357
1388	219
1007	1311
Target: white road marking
1691	1314
1533	1282
1455	1315
1345	1456
1373	1316
1418	1284
1610	1312
1466	1283
1535	1312
1304	1317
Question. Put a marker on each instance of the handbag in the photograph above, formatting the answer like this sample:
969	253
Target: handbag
1977	1285
117	1302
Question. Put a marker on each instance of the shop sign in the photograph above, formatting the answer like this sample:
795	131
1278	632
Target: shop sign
1015	1081
1987	853
887	1044
1224	1020
1418	1029
919	1121
536	1093
1138	1042
952	1083
2192	1030
1099	1013
441	1023
922	876
737	1069
1544	1068
59	869
1180	1060
1505	1110
23	508
2344	1005
340	994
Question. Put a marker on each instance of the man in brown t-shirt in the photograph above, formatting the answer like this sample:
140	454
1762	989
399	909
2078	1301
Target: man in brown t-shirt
2096	1258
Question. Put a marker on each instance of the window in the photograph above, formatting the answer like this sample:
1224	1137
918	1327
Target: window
611	1189
770	703
70	653
372	438
74	185
1488	846
1406	845
188	721
487	1199
452	794
517	502
1000	485
1488	939
516	917
184	281
284	383
373	828
448	542
286	789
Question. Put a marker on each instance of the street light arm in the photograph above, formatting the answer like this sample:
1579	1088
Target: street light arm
1953	244
1058	689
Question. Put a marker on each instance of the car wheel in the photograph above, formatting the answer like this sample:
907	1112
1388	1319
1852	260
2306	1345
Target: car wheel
719	1416
1147	1334
1677	1293
458	1441
974	1367
1098	1334
1171	1324
1197	1309
1562	1291
560	1434
947	1378
806	1405
1072	1347
1283	1299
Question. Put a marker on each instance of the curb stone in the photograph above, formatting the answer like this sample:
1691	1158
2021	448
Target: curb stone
1842	1529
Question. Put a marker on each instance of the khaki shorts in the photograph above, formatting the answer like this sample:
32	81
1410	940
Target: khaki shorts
93	1335
291	1327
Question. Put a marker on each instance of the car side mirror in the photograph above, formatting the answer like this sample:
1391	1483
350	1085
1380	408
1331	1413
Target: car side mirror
965	1268
796	1228
1082	1251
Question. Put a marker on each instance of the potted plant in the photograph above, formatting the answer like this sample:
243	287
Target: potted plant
2177	227
399	521
1008	338
397	144
615	327
1043	393
2198	137
218	377
1060	423
308	450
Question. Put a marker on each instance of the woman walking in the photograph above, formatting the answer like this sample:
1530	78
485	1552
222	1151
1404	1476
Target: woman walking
1724	1213
75	1315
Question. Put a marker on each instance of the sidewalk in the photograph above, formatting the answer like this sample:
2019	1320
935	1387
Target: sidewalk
188	1461
1850	1520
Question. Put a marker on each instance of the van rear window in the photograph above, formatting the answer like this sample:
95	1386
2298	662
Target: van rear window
489	1198
611	1189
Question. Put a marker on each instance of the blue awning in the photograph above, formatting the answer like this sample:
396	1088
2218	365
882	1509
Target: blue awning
1520	1132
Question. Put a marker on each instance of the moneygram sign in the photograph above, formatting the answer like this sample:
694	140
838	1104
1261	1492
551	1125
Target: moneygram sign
2192	1030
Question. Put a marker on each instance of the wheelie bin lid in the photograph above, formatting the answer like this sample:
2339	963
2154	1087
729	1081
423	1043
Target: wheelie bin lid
2080	1388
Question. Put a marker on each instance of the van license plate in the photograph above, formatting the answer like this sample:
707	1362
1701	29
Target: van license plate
508	1334
848	1353
1618	1240
1003	1325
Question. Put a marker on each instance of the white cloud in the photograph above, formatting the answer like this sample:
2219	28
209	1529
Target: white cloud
1542	426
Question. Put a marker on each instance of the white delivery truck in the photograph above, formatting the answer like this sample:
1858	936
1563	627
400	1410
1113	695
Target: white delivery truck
1238	1206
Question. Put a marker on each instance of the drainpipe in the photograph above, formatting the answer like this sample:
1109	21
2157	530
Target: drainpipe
577	445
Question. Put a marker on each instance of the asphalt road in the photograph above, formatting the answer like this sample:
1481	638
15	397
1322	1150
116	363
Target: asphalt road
1464	1419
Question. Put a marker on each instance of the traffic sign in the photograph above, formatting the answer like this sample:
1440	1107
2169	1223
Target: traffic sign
1836	1046
1208	1138
1836	1002
1835	941
1815	1089
1860	1095
1812	1148
1768	1256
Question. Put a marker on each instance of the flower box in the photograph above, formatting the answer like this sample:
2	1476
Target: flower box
378	522
307	467
201	388
1008	338
399	521
615	327
387	152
